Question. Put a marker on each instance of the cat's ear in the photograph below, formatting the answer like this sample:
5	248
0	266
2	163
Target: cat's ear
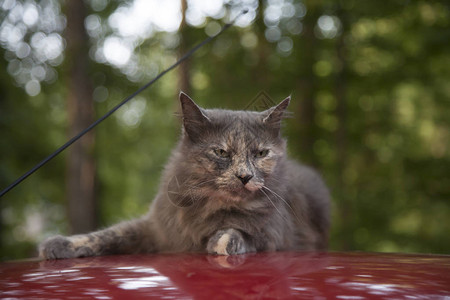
274	115
194	119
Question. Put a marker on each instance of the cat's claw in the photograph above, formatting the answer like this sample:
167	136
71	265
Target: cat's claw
226	242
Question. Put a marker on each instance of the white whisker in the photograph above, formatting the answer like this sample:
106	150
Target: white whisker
281	198
273	204
200	183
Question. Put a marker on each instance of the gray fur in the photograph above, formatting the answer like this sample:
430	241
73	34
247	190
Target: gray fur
227	181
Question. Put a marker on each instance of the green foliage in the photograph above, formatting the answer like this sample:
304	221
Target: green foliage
370	107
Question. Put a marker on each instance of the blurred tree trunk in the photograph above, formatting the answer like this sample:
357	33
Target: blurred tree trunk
80	160
263	51
184	75
341	82
307	84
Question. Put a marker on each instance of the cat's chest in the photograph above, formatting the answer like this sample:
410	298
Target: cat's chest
214	215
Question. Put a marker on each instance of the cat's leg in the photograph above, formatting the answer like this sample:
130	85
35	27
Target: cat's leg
228	242
128	237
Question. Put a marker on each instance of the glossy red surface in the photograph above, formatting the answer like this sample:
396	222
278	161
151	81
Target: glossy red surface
281	275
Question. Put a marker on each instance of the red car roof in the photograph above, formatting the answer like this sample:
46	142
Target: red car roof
279	275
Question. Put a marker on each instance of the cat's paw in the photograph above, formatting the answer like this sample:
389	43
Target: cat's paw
57	247
226	242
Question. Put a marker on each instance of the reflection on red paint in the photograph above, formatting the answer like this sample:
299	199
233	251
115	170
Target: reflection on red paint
281	275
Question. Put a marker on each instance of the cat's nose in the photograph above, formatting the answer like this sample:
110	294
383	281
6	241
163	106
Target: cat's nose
244	178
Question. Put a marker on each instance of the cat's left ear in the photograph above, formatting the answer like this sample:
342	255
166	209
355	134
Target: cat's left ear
194	119
274	115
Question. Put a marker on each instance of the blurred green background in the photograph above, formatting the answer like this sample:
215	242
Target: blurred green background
370	84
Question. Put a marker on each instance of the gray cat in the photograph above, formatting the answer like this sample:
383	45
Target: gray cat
227	189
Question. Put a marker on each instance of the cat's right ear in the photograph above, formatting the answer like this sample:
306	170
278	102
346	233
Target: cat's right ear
274	116
194	119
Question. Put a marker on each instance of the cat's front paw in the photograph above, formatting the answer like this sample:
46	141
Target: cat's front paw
226	242
57	247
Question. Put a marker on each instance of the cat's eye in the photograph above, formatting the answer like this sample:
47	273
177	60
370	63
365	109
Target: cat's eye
221	153
262	153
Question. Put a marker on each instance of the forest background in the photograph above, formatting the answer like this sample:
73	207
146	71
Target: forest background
370	101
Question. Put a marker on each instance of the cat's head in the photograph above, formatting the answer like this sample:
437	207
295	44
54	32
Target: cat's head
231	155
